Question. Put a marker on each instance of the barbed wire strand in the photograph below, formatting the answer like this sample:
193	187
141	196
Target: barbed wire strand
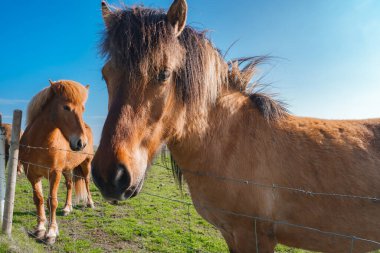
57	149
244	181
266	219
259	218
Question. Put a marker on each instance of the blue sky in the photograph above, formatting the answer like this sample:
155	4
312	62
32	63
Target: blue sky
328	63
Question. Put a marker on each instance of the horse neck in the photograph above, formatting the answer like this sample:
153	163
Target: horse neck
40	128
226	127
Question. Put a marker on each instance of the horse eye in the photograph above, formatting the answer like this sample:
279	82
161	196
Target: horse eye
164	75
66	108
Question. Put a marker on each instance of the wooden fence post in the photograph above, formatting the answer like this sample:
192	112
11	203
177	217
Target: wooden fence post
2	169
12	173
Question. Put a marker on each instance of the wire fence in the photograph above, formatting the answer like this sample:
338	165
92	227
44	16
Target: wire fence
187	241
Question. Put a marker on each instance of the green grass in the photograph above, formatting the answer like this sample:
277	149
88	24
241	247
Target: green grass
20	242
143	224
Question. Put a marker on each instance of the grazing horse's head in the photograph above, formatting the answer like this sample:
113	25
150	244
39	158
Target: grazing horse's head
63	103
159	74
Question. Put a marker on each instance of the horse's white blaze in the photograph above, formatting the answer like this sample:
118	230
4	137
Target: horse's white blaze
140	163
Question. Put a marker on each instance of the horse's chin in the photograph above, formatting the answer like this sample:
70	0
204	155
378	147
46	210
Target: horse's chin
128	194
134	191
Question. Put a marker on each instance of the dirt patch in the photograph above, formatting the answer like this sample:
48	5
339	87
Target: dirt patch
108	244
98	237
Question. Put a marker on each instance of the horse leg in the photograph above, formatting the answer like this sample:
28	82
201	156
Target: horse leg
55	177
255	237
229	240
86	169
69	185
38	198
265	240
90	202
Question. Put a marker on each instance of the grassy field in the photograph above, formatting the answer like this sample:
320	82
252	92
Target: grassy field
146	223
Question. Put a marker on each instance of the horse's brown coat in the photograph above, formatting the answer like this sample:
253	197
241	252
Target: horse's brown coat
8	131
211	125
7	128
49	126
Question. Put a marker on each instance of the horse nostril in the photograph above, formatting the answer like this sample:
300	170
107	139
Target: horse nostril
76	145
122	178
79	144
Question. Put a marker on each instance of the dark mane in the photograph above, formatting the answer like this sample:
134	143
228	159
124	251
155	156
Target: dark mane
132	34
240	78
269	107
136	34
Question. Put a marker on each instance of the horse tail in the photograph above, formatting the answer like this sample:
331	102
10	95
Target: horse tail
79	182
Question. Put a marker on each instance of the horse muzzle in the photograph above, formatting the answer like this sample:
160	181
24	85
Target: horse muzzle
77	144
118	187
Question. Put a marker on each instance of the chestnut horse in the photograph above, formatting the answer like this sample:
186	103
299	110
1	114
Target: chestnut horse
8	132
56	141
240	151
7	128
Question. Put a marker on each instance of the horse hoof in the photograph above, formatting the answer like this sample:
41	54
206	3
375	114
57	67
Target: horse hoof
50	240
91	205
37	234
67	210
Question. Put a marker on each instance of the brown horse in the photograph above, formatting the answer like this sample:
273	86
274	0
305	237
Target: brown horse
247	161
54	133
8	131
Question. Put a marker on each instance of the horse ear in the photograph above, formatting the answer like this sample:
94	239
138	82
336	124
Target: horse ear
87	86
177	15
106	12
54	87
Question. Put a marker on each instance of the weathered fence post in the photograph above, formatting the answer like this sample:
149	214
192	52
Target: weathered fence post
2	169
12	173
